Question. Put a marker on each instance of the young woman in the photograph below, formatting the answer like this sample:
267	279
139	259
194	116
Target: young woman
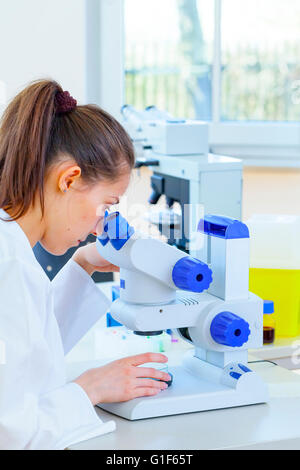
61	167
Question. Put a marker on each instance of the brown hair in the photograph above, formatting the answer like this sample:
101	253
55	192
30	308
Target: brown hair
33	133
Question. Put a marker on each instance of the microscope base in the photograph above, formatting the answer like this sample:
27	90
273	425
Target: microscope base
190	393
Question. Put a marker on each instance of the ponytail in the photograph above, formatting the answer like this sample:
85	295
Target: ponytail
34	131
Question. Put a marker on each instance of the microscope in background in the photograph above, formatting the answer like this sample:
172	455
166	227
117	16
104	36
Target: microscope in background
207	304
184	171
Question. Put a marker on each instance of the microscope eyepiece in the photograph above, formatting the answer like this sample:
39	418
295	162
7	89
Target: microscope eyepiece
116	230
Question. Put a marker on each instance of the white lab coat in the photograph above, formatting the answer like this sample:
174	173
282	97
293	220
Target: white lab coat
40	321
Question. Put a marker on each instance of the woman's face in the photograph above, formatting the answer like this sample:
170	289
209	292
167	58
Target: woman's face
72	215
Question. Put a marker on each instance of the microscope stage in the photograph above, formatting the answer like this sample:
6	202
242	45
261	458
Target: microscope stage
187	394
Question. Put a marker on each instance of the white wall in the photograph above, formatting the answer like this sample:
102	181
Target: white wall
111	65
43	38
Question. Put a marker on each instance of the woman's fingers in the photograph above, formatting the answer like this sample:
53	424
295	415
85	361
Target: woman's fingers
144	392
152	373
107	268
146	357
157	384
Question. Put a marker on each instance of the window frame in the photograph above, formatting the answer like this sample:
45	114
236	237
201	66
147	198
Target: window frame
105	77
275	144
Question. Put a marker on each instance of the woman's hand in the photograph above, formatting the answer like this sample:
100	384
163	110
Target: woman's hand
122	380
90	260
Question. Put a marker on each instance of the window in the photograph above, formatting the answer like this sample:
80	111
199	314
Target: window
169	53
232	62
260	60
169	57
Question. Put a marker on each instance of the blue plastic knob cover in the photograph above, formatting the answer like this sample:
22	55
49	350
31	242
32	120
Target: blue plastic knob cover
191	274
230	330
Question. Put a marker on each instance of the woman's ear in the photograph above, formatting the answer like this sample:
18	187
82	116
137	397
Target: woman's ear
68	177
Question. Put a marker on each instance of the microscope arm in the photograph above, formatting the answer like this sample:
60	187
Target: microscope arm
136	253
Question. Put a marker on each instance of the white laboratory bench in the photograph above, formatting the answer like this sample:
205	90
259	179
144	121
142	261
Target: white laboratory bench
275	425
285	352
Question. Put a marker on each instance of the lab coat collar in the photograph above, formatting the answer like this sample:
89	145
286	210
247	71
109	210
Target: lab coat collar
15	231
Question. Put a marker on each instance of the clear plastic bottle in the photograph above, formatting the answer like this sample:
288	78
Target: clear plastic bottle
269	322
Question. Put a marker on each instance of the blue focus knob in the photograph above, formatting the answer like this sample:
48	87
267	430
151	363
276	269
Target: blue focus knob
230	330
191	274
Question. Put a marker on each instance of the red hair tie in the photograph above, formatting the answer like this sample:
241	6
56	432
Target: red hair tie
65	103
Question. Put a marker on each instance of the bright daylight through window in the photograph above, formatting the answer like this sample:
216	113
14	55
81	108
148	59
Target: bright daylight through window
171	58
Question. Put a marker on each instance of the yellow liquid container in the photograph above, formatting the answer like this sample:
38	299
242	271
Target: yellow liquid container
275	268
283	287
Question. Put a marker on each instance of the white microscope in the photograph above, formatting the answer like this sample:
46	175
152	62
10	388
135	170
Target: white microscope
207	303
184	172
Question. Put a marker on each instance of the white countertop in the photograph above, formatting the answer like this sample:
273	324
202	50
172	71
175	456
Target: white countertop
281	348
275	425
